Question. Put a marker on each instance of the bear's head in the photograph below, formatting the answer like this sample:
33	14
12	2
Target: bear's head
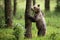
36	8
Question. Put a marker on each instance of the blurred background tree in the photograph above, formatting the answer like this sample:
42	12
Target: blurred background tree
34	2
58	5
8	13
47	5
15	4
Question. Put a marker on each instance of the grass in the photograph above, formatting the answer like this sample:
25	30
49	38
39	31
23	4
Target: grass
52	20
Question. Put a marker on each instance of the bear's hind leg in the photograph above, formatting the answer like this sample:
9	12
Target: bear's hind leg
41	32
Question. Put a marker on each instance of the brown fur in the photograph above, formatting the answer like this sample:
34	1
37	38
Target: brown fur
40	21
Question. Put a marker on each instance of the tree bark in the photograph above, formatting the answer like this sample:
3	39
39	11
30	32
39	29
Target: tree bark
47	4
28	23
14	11
34	2
58	5
8	13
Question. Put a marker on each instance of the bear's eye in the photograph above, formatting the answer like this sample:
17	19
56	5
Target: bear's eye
38	5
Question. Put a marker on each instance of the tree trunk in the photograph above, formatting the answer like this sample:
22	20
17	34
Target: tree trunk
34	2
58	5
8	13
28	23
47	4
14	11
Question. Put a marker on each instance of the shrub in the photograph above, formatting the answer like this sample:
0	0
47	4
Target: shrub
6	34
19	32
2	23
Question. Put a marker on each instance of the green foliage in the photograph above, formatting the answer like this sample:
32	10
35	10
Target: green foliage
52	19
1	14
54	36
21	0
20	14
19	32
12	34
2	23
6	34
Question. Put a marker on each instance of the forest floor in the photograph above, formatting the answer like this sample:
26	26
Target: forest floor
52	21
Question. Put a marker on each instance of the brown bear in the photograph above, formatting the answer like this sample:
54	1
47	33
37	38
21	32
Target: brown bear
39	19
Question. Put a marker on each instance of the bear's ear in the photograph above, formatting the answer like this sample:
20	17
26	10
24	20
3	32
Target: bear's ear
38	5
